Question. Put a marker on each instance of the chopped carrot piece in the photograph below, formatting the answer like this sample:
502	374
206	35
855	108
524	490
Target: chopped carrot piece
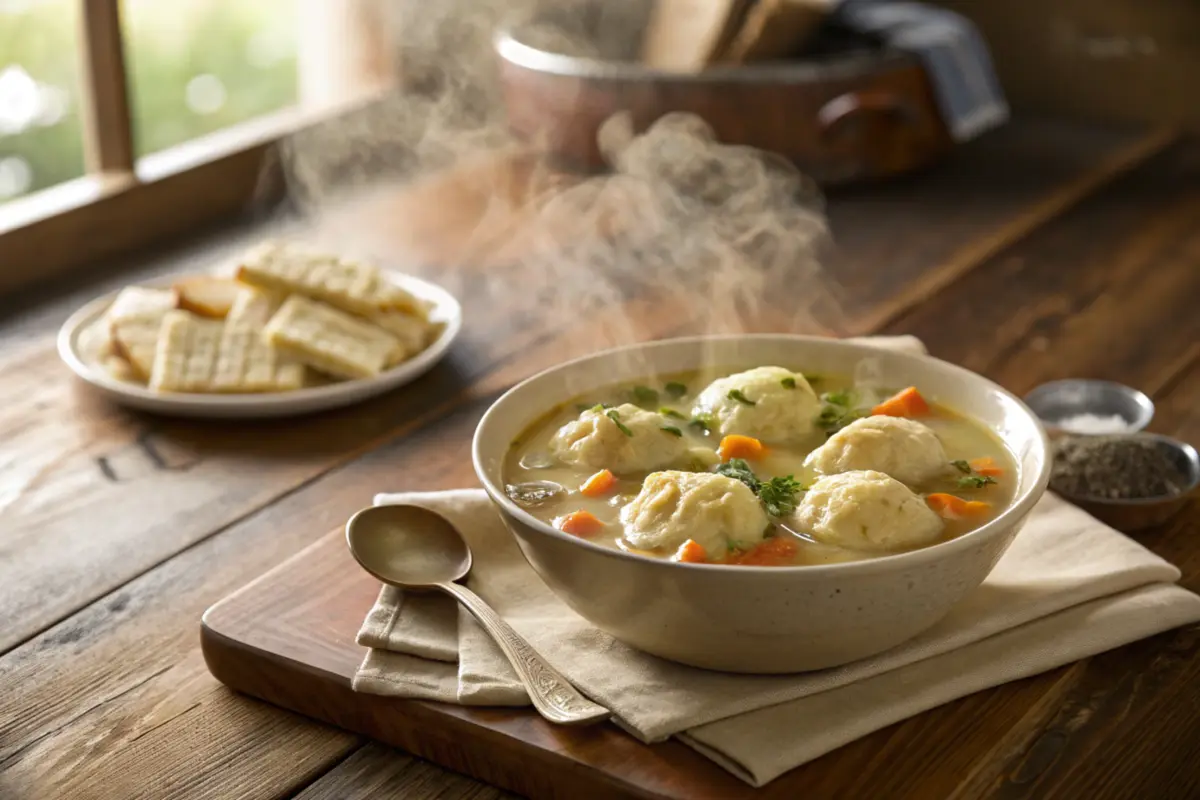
691	552
905	403
580	523
777	551
950	507
987	466
598	485
735	446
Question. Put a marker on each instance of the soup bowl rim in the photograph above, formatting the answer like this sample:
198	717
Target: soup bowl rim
1016	511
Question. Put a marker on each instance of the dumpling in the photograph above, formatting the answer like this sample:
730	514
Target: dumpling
776	405
714	511
908	451
622	439
866	510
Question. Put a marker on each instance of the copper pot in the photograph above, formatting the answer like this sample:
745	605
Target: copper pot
849	116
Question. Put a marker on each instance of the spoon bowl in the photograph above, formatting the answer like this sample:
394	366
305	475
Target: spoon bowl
408	546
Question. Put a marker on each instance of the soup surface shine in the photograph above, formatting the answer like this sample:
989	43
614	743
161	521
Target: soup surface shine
830	511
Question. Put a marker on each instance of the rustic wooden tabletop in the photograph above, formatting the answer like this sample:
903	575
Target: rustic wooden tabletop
1043	250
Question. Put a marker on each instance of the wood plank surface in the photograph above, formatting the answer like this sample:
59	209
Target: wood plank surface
105	683
87	466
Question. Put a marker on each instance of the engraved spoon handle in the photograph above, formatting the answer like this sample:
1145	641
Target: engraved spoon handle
552	694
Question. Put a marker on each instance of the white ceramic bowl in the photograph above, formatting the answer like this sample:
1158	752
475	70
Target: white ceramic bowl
762	619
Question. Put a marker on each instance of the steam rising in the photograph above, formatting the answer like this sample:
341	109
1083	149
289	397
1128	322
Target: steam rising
705	229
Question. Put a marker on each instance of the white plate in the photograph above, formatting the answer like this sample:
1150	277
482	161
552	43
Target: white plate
83	335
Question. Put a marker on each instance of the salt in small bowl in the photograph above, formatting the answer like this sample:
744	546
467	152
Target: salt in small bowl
1057	402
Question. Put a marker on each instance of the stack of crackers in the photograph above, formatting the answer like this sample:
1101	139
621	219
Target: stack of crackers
289	318
690	35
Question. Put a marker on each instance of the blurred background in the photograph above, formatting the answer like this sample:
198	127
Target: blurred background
194	67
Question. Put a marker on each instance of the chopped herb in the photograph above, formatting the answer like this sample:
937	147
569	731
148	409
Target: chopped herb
645	396
833	418
675	389
975	481
843	397
779	495
739	470
703	422
616	418
788	382
736	394
670	412
600	407
671	429
837	411
962	466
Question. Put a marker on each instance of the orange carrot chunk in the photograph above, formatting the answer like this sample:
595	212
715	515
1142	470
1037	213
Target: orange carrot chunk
598	485
950	507
735	446
777	551
905	403
691	552
580	523
987	466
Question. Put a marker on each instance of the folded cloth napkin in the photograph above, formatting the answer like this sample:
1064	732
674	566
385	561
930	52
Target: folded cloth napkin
1067	588
951	49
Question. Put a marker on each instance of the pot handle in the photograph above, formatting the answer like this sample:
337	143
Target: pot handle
847	108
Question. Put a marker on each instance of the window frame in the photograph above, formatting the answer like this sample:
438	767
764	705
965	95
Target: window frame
123	204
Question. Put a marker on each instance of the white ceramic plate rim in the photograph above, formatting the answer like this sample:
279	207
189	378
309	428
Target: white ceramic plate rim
446	309
1019	508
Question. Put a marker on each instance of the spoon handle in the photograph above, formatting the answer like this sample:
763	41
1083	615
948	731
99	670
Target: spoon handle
552	695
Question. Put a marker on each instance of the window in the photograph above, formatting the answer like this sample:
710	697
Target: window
41	143
197	66
126	121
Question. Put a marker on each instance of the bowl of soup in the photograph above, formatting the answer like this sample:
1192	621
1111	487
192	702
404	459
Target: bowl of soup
761	503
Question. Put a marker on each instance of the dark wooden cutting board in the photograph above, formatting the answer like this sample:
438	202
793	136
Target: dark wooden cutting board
288	639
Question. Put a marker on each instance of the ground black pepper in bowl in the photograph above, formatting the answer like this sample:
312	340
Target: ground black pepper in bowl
1114	468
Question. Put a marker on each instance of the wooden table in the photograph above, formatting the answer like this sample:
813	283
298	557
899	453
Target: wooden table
1043	250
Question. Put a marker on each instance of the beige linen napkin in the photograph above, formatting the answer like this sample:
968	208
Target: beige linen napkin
1068	587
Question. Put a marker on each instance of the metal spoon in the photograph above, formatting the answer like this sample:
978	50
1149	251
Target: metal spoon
417	550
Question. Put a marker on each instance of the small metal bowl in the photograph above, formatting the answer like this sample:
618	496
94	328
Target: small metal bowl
1136	515
1057	401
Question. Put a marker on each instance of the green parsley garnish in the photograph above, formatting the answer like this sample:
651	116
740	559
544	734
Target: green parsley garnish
739	470
645	396
975	481
961	466
670	412
736	394
703	422
778	495
675	389
788	382
616	418
671	429
837	411
844	397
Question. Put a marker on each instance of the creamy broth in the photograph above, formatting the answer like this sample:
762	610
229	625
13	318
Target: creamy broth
533	473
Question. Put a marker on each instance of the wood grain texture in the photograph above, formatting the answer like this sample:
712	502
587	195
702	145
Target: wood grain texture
376	772
86	467
97	693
